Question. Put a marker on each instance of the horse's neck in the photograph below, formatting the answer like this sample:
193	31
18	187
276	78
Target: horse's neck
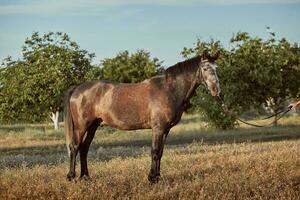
183	87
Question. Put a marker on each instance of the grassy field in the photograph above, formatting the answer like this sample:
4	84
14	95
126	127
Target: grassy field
198	163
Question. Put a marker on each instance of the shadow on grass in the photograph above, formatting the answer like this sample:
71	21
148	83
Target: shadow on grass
12	128
102	151
216	137
189	119
20	128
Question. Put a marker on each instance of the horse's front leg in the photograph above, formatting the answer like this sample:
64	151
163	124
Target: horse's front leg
156	154
161	150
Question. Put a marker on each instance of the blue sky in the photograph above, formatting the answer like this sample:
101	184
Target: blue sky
162	27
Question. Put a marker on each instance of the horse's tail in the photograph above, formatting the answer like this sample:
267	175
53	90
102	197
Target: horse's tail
68	120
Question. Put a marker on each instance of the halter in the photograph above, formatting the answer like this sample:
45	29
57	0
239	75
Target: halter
199	72
195	82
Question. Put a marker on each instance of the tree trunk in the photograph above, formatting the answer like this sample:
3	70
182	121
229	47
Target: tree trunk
275	122
54	118
277	107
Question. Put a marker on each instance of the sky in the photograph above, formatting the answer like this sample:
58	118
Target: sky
163	27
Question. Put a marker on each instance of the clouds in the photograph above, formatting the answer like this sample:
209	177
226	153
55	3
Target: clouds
95	7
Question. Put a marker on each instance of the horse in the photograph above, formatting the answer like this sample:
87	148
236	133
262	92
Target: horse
156	103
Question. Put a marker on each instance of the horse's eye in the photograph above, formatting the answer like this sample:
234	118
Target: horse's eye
204	69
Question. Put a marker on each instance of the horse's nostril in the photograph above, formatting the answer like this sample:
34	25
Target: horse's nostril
214	87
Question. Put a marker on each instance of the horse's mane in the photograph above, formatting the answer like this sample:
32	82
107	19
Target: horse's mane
184	66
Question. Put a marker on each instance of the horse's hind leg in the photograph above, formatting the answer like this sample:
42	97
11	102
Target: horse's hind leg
84	148
74	147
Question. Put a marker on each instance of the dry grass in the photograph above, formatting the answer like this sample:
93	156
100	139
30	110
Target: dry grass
198	164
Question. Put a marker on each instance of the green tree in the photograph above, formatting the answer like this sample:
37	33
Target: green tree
130	68
13	99
272	66
51	63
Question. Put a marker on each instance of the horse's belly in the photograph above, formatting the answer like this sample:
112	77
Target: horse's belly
127	121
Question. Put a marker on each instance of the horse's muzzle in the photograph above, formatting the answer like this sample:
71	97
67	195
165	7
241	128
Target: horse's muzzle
214	90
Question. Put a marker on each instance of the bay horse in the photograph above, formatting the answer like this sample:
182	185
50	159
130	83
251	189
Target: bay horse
156	103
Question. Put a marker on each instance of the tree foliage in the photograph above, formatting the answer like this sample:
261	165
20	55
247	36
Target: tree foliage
33	87
132	68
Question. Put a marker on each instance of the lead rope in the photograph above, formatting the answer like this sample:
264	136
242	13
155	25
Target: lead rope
229	113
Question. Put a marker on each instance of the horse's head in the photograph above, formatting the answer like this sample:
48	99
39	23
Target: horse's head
208	73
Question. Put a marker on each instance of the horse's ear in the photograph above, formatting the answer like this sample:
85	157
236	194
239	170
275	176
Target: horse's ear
205	55
216	56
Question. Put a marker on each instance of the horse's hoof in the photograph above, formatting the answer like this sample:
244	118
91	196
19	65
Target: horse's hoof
153	179
70	176
85	178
